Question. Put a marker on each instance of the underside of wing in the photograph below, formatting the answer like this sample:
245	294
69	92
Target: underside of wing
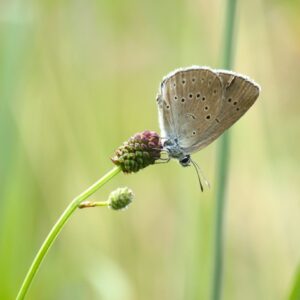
239	94
190	101
166	121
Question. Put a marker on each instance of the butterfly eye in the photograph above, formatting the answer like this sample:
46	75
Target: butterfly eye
182	100
215	91
175	97
190	95
203	98
206	108
198	96
183	81
237	109
229	100
194	132
193	79
234	103
167	106
185	161
208	117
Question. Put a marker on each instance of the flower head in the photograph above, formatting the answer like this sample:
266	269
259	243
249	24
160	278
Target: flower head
120	198
140	151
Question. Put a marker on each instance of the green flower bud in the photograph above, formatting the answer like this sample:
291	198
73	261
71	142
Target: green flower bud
140	151
120	198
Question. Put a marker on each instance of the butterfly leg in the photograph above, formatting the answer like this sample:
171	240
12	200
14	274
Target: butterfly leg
163	159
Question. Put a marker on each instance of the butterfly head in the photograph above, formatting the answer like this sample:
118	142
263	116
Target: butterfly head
175	151
185	161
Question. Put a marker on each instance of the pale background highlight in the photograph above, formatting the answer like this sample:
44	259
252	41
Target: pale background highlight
77	78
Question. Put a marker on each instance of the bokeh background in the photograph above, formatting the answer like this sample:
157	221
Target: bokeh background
77	78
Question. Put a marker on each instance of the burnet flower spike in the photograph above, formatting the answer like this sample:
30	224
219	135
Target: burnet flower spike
140	151
118	199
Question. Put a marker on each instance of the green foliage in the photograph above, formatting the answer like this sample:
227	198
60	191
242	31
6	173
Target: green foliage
78	77
295	291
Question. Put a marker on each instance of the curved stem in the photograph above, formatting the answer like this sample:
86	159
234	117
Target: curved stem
223	162
58	227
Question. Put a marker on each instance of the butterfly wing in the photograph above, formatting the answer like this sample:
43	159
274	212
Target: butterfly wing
239	94
189	102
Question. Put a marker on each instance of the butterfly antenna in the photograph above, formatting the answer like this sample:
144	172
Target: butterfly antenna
200	173
203	176
199	178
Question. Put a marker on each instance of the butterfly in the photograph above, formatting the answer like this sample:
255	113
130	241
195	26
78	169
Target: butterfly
197	104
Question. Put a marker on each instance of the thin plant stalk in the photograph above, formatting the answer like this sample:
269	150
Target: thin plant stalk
56	229
223	161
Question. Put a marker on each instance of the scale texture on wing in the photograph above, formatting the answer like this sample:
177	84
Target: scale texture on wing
239	94
189	102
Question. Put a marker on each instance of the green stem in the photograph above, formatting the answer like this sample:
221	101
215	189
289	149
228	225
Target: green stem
223	162
58	227
87	204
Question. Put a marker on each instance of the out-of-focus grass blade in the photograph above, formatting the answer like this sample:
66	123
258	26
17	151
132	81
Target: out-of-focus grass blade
295	290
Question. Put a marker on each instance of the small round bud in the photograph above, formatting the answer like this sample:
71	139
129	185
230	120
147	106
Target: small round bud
120	198
140	151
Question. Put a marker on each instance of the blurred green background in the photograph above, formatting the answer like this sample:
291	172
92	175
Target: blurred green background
77	78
